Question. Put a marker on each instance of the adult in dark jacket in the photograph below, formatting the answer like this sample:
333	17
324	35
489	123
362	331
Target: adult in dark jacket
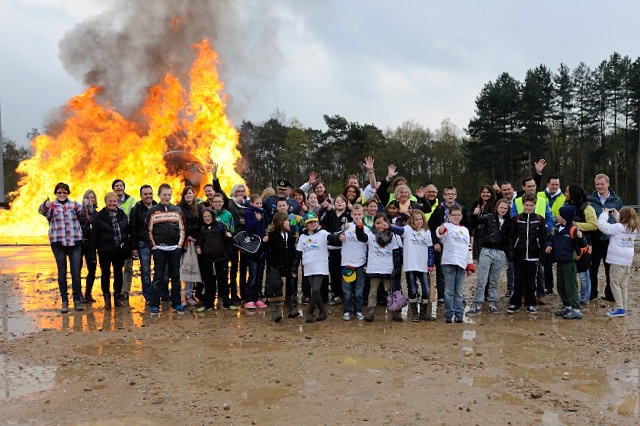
140	244
238	268
281	249
601	198
111	236
191	212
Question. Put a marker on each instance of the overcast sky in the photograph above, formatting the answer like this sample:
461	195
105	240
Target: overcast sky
371	61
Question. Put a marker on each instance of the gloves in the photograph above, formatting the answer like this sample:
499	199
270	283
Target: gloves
470	268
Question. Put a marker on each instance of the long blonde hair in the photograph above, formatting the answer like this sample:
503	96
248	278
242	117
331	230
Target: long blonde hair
628	218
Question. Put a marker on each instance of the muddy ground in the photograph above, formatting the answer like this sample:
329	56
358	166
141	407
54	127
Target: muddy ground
226	367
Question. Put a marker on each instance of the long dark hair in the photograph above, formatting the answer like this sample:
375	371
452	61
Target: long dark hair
491	202
576	195
194	204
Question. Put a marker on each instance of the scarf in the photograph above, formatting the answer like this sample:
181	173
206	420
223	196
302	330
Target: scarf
117	236
382	238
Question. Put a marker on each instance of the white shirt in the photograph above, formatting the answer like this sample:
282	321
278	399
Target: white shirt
380	259
354	252
416	249
456	245
315	253
621	242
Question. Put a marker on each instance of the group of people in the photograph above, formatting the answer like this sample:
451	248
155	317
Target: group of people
351	249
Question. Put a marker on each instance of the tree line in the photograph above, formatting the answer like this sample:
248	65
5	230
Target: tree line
582	121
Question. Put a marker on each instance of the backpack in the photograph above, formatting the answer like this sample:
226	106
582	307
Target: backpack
582	255
214	246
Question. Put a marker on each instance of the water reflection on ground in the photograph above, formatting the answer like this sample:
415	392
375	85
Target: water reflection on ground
32	305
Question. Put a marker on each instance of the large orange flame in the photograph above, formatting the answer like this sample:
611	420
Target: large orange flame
97	145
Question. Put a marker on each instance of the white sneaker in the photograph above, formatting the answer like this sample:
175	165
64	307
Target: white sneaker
360	316
346	316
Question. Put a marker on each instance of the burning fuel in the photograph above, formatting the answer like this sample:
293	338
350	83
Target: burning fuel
177	131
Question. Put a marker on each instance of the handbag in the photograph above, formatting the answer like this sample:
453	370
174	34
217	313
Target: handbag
396	301
581	255
189	269
274	286
247	243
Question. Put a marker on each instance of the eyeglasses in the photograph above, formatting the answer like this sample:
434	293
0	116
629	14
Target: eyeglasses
62	192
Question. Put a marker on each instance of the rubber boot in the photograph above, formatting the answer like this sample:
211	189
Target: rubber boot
107	300
322	315
291	307
371	314
275	312
415	317
313	301
397	316
117	300
423	311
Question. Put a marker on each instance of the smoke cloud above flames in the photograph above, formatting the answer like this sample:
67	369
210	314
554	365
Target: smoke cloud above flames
131	45
155	109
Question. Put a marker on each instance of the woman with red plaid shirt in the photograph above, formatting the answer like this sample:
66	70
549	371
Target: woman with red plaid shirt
65	236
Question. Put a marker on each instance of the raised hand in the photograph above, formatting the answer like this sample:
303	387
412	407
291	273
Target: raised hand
539	165
368	163
312	177
391	171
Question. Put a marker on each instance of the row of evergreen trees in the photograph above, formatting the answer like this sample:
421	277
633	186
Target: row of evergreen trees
582	121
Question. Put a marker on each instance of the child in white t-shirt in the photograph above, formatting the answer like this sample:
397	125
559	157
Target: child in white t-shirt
380	245
353	260
456	261
417	263
313	249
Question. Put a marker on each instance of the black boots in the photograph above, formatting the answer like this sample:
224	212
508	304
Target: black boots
291	307
117	300
314	300
275	312
107	300
323	314
415	317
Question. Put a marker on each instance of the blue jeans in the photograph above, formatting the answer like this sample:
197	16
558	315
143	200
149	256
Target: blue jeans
74	253
412	286
453	286
354	292
163	261
490	262
585	286
254	282
144	252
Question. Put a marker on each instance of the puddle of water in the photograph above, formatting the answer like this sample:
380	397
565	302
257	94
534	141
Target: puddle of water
110	348
267	395
549	418
617	391
469	335
18	379
364	364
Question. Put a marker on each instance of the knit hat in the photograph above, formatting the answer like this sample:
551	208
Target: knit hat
568	212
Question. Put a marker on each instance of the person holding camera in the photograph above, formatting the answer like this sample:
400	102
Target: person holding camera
111	236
